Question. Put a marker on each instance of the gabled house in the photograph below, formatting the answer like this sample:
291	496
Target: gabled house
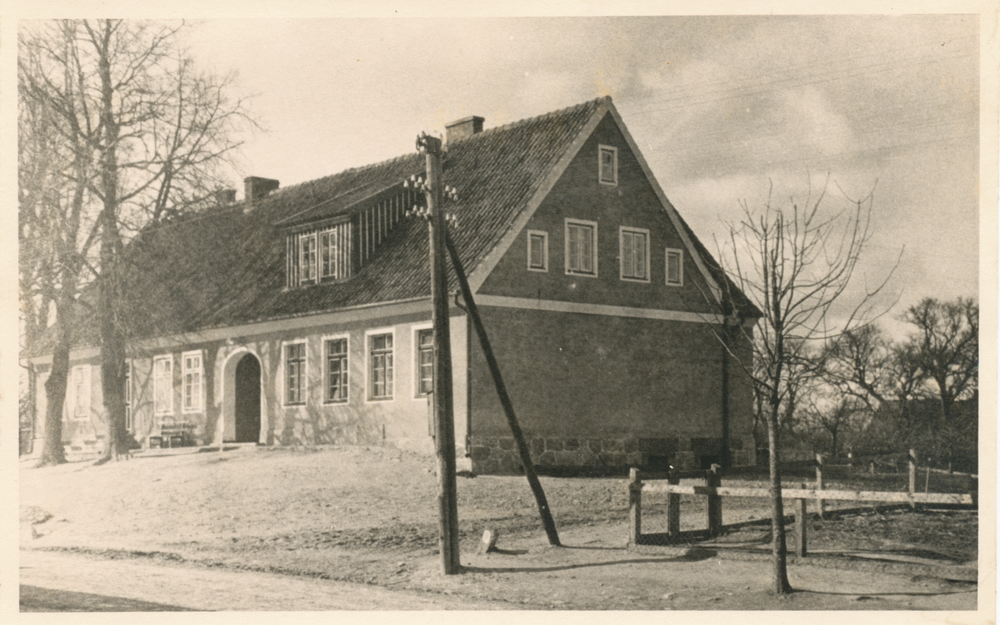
301	315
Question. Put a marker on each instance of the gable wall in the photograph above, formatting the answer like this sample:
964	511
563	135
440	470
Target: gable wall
632	203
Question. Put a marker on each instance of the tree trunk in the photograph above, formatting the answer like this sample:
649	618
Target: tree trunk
55	386
55	394
778	545
109	299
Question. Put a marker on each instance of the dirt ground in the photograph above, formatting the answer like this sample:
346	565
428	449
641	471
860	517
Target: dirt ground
367	517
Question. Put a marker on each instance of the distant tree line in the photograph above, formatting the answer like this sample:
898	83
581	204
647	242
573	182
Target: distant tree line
866	394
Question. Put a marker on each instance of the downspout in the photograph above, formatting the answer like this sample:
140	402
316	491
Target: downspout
725	407
468	376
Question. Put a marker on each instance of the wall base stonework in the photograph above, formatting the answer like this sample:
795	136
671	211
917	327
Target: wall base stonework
498	455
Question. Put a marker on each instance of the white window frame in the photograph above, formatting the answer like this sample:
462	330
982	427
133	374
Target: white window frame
84	373
545	250
157	409
314	265
129	424
326	369
601	149
622	231
197	399
680	266
593	252
368	366
304	374
415	359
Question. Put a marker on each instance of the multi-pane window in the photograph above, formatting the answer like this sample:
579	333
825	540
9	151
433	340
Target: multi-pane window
538	250
675	267
128	397
81	392
307	258
425	361
380	363
634	254
163	385
608	165
295	373
192	377
318	255
336	370
581	248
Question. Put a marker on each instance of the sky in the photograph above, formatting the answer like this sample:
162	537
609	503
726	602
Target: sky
724	109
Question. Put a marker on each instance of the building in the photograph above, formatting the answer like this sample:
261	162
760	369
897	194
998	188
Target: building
301	315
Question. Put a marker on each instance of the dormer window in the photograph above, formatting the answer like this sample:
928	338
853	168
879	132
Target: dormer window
320	255
607	166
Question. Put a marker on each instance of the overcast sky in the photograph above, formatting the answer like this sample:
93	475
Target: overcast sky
722	107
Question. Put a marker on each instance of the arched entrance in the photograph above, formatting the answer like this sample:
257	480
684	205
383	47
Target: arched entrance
247	400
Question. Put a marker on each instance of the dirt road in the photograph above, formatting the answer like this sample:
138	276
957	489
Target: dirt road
129	585
355	529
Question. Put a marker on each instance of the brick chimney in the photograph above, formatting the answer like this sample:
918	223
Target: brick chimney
256	188
225	197
463	128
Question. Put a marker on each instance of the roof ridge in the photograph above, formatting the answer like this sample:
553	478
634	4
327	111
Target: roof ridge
550	114
488	131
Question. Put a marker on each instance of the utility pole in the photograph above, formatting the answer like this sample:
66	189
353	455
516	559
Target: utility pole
444	414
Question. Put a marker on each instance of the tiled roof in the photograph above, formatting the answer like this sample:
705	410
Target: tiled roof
225	266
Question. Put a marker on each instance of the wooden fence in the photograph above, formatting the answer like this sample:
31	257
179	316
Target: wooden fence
714	491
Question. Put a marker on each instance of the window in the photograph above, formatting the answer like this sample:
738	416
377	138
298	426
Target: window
81	392
336	370
425	361
191	370
319	255
581	248
675	267
380	366
633	244
307	259
538	250
607	165
163	385
295	374
128	397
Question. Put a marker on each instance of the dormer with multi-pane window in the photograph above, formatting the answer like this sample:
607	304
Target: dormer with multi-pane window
332	241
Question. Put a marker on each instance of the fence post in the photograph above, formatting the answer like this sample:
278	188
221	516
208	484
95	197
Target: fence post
913	477
713	480
819	486
673	506
634	506
800	526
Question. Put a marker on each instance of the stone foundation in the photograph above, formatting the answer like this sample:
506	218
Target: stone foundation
498	456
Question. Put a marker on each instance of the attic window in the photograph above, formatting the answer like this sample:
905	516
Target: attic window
319	255
607	165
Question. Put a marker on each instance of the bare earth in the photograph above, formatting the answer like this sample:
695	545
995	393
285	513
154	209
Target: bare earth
356	528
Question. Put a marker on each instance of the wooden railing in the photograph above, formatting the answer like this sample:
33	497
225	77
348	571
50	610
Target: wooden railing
714	491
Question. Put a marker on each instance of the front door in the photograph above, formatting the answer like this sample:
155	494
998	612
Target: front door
248	400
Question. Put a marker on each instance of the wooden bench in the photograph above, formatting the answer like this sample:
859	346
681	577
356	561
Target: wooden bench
173	435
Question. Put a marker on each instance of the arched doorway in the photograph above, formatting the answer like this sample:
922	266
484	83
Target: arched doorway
247	404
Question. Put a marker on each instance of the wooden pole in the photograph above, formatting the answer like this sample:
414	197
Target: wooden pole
508	406
634	506
800	526
673	506
444	416
913	475
713	480
821	506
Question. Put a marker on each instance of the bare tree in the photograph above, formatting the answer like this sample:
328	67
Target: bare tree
795	265
155	133
945	351
55	234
